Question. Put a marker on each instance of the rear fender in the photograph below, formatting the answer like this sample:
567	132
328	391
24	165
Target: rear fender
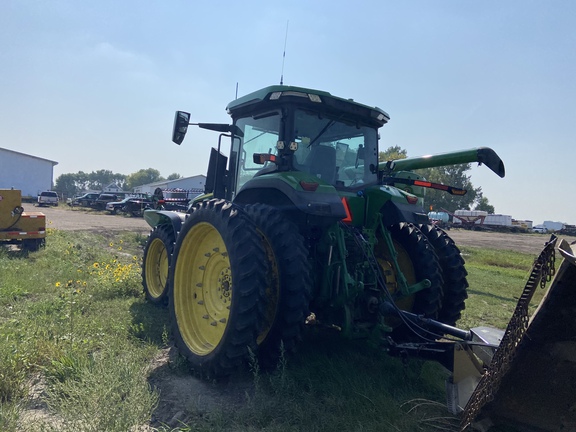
285	189
393	205
156	218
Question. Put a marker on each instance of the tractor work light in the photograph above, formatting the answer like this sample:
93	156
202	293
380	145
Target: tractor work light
310	96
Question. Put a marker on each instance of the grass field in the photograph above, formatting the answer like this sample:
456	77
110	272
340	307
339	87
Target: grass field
77	340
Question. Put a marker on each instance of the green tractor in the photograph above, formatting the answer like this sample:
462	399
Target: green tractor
302	225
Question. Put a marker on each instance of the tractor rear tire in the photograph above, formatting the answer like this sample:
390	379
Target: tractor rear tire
289	283
156	264
453	272
217	277
418	261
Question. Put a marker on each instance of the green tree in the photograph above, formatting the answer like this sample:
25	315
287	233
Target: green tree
71	184
174	176
484	205
141	177
392	153
66	185
102	178
82	181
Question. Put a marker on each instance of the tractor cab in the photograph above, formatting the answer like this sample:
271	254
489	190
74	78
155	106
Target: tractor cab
295	129
320	138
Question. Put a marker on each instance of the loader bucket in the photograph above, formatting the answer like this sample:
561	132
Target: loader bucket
531	385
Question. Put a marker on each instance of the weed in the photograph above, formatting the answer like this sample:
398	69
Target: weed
9	416
165	336
109	393
254	367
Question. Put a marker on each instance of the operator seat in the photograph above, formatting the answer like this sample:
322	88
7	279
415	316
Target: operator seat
321	162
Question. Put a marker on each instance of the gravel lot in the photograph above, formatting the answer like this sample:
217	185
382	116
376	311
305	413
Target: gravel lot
79	219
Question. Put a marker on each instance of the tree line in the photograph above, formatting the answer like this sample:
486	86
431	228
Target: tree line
71	184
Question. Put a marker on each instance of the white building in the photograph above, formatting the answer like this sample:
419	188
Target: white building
30	174
112	188
195	183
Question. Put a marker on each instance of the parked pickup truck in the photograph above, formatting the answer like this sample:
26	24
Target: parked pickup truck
85	200
47	198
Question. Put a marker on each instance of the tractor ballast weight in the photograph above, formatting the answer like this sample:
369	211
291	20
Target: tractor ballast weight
302	189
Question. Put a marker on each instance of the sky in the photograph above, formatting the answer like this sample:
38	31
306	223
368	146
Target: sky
94	84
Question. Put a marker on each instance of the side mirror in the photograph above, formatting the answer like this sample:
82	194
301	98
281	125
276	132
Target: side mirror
181	122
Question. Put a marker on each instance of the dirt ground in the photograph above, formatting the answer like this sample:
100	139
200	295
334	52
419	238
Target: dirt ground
66	218
184	396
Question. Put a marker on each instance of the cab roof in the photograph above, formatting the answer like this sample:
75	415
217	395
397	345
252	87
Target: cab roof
273	93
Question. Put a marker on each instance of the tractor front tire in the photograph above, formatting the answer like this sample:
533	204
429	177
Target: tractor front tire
156	264
289	283
218	273
453	272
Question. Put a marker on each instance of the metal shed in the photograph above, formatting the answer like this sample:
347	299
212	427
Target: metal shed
30	174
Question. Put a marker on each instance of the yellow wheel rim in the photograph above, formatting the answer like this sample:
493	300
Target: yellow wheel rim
202	289
156	268
407	267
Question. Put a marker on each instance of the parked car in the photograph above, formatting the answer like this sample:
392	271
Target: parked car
131	205
47	198
103	199
85	200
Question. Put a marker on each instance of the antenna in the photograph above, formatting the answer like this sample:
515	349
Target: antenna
284	54
236	90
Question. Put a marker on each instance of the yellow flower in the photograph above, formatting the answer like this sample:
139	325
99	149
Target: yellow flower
120	248
111	244
57	284
95	265
134	257
121	241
